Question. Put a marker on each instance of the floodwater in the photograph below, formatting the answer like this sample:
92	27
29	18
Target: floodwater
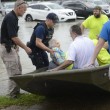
61	33
79	101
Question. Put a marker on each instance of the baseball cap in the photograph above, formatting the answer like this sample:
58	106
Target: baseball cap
53	17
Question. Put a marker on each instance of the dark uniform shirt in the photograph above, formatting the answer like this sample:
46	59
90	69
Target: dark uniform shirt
42	32
9	27
39	57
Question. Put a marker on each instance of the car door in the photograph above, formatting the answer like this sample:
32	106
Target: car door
34	11
68	5
43	10
79	9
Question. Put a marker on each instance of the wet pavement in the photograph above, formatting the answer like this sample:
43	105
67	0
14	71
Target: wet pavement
25	31
79	101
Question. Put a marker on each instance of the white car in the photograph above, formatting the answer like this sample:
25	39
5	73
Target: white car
1	9
7	7
39	11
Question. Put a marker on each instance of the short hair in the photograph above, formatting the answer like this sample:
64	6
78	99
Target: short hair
53	17
76	29
19	2
52	43
97	8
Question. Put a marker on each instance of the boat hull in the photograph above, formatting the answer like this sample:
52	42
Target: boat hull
65	81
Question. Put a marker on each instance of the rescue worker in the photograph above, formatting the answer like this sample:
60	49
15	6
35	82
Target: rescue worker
9	45
42	33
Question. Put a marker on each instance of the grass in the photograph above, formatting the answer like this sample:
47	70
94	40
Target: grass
23	100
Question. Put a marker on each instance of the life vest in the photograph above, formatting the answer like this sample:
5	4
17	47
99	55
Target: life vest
36	55
47	37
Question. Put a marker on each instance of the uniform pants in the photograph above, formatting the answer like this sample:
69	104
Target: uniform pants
13	67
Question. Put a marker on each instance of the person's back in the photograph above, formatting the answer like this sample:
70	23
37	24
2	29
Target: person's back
81	53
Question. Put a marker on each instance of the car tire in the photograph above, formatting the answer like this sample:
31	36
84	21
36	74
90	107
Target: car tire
29	18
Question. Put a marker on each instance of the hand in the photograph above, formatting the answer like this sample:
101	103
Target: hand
92	63
51	51
55	69
28	50
89	65
17	48
97	36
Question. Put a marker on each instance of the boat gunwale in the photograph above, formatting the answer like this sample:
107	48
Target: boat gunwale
60	72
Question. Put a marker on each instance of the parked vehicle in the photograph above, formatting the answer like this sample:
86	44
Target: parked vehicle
39	11
1	8
7	7
81	9
105	7
102	3
56	1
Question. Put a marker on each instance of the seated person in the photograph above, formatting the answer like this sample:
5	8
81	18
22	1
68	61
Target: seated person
59	56
80	50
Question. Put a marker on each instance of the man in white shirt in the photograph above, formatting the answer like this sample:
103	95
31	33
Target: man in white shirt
80	50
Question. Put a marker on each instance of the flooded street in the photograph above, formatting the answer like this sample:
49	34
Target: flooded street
61	33
79	101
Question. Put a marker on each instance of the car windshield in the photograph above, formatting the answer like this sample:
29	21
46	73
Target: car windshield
98	2
55	6
91	5
9	6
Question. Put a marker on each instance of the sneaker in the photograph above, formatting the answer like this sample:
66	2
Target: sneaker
14	97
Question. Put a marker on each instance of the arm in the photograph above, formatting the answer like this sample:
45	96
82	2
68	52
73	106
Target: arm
12	28
82	28
86	24
97	49
63	65
105	45
17	41
42	46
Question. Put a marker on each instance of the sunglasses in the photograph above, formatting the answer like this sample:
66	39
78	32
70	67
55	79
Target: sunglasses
22	3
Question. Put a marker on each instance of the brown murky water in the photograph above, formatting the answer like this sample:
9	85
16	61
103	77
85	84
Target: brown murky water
79	101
